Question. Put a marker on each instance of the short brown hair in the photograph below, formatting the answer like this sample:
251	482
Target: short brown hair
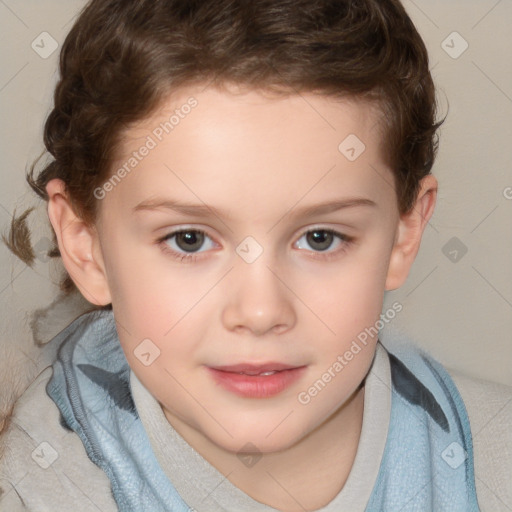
122	57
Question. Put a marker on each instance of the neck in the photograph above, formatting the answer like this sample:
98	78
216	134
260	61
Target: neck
305	476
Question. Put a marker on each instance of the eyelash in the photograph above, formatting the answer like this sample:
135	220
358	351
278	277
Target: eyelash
346	241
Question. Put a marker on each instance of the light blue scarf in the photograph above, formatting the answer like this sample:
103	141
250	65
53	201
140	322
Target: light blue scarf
427	463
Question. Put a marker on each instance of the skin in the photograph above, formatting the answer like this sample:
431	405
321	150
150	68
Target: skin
259	159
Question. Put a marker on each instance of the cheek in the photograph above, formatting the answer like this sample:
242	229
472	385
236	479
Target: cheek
348	298
161	304
148	295
350	306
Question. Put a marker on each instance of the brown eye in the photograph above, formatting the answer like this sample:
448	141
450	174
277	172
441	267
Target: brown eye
189	241
186	243
320	239
324	243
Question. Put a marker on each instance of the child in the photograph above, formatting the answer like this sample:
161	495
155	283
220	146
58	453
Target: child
234	186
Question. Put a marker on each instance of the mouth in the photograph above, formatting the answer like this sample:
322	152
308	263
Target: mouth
256	381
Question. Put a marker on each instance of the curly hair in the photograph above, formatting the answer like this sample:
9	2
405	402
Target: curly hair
123	57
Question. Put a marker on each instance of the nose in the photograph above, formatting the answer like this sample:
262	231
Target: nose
259	300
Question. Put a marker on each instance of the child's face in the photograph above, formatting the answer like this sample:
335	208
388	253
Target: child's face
258	290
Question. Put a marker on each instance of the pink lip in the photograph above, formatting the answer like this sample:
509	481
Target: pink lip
264	367
256	386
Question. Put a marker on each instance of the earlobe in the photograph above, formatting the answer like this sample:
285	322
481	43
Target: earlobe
78	246
409	231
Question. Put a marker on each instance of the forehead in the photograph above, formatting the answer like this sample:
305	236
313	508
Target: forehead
213	114
208	143
261	105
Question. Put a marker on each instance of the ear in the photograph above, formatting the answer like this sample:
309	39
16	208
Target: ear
409	232
79	246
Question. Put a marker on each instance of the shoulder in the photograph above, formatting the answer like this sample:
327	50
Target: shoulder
489	407
44	463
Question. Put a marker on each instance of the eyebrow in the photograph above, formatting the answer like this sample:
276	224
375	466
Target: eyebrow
203	210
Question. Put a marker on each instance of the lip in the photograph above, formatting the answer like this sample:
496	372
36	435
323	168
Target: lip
257	385
248	367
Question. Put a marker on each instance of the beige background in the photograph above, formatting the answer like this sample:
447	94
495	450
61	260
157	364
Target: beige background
458	306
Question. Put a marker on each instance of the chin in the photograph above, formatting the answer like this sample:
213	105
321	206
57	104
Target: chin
258	437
